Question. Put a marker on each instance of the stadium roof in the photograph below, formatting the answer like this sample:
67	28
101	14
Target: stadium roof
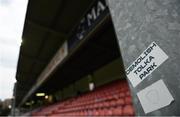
47	25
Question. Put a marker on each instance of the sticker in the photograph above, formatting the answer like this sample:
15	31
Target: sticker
155	96
145	64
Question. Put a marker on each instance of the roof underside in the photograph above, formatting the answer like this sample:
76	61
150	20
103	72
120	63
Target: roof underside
48	23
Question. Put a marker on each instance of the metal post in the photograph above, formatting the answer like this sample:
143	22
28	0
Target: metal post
138	23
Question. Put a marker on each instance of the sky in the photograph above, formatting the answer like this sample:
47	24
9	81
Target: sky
12	16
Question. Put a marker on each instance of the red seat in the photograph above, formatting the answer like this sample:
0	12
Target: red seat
128	100
85	113
120	102
108	112
117	111
95	112
128	93
90	112
113	103
100	105
106	104
122	95
128	110
101	112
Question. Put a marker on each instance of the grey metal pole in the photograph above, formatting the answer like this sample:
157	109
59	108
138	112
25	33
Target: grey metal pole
138	23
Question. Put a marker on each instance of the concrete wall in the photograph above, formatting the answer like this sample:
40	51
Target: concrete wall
137	24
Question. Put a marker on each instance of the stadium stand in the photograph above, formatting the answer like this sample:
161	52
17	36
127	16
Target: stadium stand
64	64
113	99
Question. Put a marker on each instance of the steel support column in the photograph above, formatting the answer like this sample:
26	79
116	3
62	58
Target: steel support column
138	23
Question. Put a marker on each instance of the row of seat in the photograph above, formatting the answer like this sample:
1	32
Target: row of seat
112	100
117	111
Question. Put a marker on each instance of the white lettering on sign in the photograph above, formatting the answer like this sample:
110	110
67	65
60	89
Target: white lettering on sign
95	12
145	64
90	18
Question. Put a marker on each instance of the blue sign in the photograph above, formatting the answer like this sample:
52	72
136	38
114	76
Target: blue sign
94	14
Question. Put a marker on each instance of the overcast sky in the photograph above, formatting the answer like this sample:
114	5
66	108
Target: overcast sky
12	15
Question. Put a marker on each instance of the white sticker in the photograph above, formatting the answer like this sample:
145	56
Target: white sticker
155	97
145	64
